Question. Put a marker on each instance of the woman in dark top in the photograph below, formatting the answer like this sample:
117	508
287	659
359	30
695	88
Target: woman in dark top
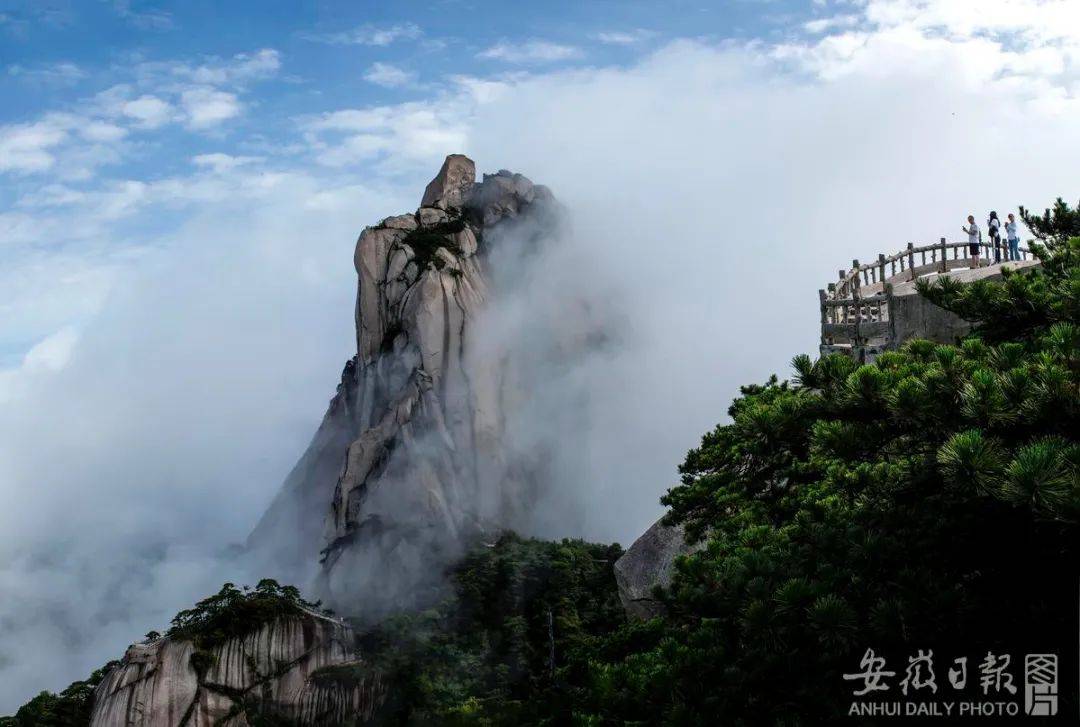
993	226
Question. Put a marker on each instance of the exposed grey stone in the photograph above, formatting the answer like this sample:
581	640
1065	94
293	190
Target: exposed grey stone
156	685
426	465
451	185
400	222
648	563
466	242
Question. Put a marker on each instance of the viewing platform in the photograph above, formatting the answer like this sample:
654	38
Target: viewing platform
874	307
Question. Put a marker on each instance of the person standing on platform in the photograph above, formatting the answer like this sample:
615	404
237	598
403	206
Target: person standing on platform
974	239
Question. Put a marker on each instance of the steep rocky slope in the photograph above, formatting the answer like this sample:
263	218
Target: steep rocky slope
274	670
412	460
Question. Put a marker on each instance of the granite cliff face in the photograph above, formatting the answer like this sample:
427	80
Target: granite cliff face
275	670
412	461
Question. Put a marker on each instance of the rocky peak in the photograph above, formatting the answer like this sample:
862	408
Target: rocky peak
452	184
412	462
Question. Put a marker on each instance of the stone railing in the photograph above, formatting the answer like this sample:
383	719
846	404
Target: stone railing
855	310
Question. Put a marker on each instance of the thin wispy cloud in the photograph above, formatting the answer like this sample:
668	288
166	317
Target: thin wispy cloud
144	18
239	69
624	37
374	35
821	25
64	73
18	17
530	51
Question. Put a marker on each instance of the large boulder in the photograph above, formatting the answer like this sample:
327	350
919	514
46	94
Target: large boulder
648	563
452	184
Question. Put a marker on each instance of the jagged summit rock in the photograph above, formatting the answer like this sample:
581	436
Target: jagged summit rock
412	462
452	184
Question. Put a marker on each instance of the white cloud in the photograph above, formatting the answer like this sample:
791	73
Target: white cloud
103	131
27	148
206	106
74	144
148	112
242	67
48	355
402	134
218	162
52	352
821	25
235	284
51	195
262	64
530	51
389	76
374	35
1036	20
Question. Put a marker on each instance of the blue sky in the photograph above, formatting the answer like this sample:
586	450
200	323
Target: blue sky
55	54
182	185
99	94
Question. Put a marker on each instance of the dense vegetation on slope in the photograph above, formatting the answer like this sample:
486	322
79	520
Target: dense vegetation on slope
510	644
69	708
929	500
231	613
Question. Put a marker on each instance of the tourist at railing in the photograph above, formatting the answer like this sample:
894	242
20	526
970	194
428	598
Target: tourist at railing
993	228
974	239
1013	238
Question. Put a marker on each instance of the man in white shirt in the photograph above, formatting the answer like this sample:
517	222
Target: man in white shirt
974	240
1013	238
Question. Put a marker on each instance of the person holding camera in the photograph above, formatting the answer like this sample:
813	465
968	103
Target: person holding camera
974	240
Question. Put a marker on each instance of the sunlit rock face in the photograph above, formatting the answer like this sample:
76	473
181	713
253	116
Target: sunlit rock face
275	670
412	462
